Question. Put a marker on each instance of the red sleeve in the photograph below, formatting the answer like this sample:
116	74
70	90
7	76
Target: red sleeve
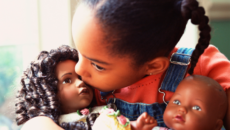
215	65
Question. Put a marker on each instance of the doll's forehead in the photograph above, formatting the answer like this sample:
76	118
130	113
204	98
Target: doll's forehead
202	82
204	88
199	86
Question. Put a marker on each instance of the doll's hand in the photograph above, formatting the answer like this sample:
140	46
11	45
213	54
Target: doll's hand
144	122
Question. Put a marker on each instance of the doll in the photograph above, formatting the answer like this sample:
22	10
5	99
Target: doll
199	103
38	95
50	87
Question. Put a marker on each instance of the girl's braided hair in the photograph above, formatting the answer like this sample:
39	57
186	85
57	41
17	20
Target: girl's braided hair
39	87
190	10
146	29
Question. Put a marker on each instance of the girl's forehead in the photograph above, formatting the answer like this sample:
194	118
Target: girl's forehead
89	41
83	22
89	37
82	15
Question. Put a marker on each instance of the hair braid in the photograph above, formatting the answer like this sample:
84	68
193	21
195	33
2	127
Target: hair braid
191	10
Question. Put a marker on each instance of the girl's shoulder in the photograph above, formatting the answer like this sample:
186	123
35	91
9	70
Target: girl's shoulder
212	63
210	55
211	49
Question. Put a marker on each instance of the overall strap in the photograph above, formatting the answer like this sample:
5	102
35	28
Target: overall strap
103	94
177	69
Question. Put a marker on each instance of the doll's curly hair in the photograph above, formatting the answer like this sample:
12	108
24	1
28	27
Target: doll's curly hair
39	86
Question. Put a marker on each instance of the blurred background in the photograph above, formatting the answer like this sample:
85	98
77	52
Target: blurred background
29	26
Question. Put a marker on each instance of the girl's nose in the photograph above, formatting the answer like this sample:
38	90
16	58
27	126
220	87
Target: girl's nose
81	69
182	110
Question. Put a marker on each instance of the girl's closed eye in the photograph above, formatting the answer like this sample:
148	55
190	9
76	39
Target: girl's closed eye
67	80
99	68
177	102
79	77
196	108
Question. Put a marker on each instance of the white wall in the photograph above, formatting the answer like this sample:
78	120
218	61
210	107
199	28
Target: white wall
54	23
190	36
35	25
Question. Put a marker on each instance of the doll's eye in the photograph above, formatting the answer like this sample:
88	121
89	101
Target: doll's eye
177	102
196	108
97	67
68	80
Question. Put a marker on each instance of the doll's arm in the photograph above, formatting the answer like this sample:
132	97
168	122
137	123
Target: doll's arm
227	116
41	123
144	122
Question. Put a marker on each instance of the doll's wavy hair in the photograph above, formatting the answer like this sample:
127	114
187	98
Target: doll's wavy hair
39	86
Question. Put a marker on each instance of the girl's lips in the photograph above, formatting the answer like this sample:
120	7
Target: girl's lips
89	85
179	118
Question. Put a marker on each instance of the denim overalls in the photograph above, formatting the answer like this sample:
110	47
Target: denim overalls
177	69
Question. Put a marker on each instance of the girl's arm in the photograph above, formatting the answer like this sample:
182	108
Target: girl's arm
227	117
41	123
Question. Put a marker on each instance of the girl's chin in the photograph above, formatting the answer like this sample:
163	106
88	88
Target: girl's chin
102	90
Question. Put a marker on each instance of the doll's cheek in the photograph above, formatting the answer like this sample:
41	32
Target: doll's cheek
168	116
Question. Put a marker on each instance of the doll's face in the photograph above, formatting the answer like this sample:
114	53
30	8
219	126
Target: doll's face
72	92
191	107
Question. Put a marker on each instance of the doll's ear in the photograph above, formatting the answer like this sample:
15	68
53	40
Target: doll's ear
219	124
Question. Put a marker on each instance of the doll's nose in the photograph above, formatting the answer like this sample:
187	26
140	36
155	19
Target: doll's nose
79	83
182	110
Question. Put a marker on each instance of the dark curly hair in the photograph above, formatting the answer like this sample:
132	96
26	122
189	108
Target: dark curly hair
146	29
39	87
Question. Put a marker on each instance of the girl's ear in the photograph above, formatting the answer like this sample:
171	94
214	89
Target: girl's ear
157	65
219	124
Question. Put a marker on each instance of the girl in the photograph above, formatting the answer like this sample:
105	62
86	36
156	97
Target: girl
51	88
128	46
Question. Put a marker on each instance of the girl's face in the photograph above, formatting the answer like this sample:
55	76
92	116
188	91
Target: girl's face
191	107
72	92
96	67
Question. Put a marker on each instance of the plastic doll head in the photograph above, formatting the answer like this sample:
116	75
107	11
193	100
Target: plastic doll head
199	103
38	95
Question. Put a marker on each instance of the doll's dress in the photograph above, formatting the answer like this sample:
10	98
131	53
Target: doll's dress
160	128
73	117
108	120
111	120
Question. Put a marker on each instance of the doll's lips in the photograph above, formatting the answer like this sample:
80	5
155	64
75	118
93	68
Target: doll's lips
84	91
179	118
